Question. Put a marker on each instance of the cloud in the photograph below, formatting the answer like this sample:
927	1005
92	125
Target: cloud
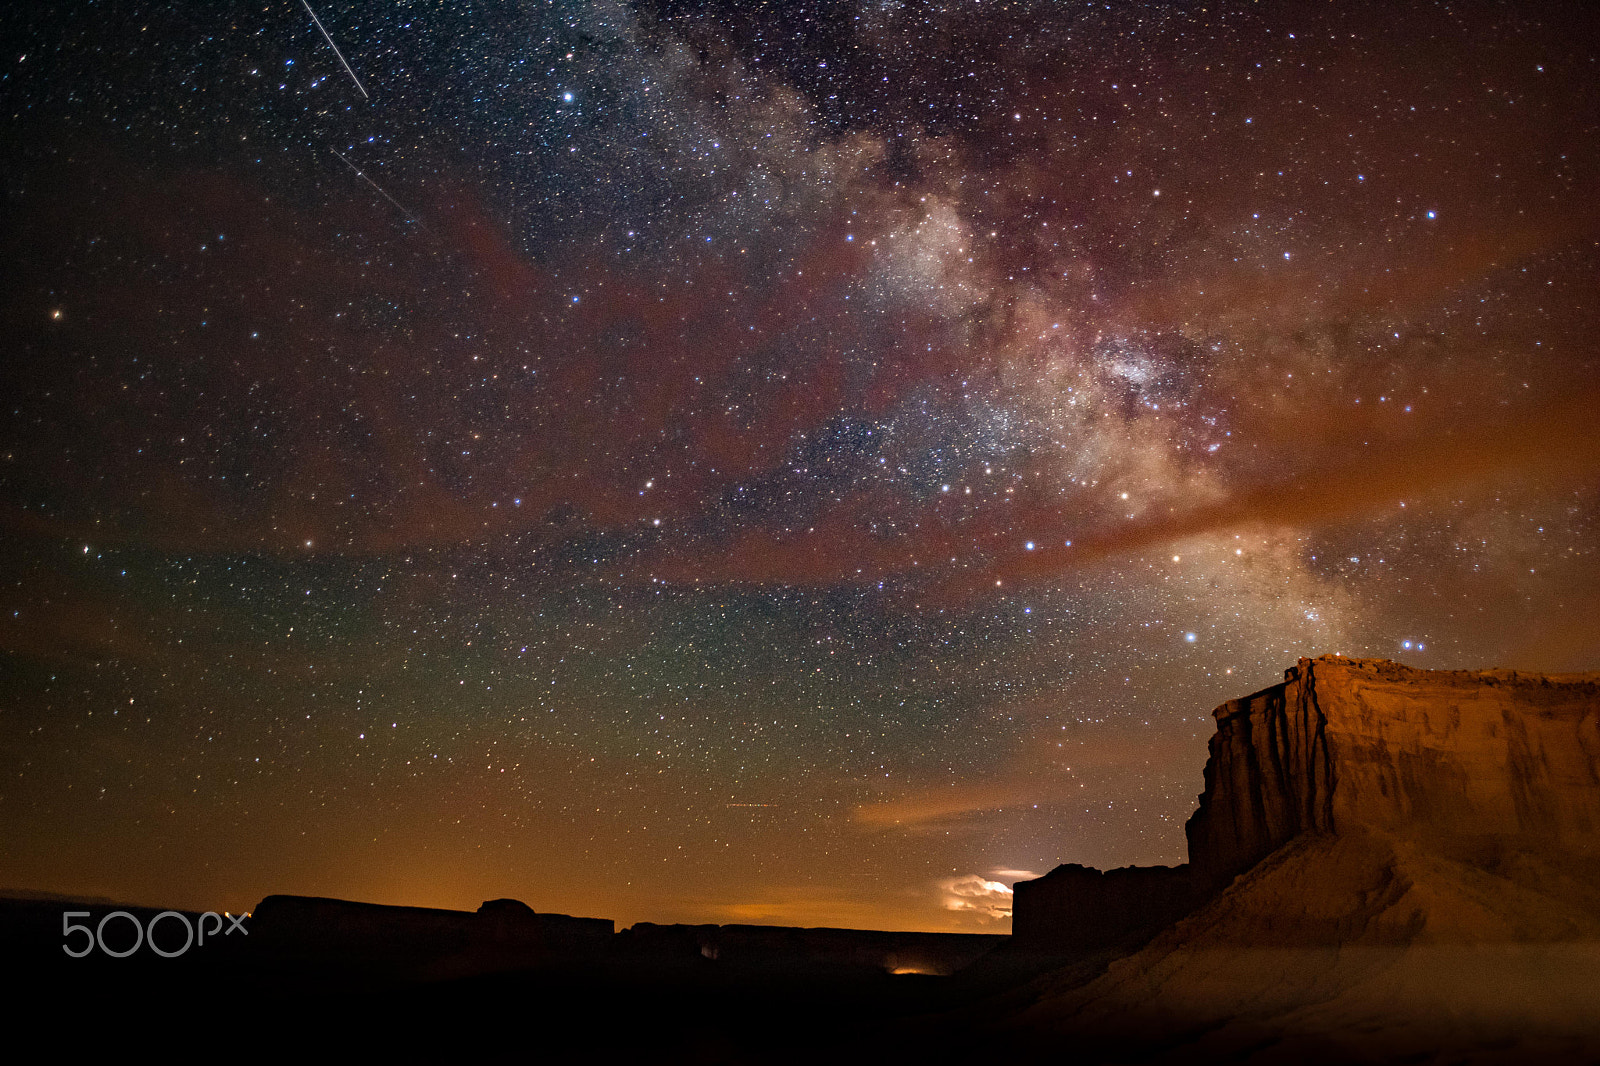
936	805
852	906
1346	477
1048	769
990	900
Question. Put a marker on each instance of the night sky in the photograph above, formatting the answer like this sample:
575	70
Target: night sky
806	463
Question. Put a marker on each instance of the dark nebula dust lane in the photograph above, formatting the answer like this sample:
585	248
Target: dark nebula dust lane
808	464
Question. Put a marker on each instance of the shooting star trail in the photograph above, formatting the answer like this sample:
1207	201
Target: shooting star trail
381	192
342	59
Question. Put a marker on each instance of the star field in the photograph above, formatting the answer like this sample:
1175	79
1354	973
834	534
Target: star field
800	463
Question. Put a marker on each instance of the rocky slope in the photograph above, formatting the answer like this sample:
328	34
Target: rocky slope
1353	947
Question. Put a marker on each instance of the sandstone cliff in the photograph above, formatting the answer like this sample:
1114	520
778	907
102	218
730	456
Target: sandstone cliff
1392	863
1465	757
1483	765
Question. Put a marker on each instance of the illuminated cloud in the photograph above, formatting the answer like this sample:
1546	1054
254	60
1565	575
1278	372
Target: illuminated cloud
989	900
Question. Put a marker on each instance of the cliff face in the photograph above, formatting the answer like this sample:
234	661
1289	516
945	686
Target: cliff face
1482	766
1465	758
1392	864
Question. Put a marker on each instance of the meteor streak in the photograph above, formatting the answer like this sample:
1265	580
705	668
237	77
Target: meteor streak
342	59
381	192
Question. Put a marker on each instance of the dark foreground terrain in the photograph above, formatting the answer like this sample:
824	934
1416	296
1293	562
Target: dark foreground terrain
1283	1004
239	999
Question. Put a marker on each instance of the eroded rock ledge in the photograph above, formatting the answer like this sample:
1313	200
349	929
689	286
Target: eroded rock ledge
1478	764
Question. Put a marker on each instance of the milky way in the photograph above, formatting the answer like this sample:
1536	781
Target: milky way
808	463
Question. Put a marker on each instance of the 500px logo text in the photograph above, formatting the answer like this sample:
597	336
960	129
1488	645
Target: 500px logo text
142	934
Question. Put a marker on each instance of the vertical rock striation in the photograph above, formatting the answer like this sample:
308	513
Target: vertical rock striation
1269	778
